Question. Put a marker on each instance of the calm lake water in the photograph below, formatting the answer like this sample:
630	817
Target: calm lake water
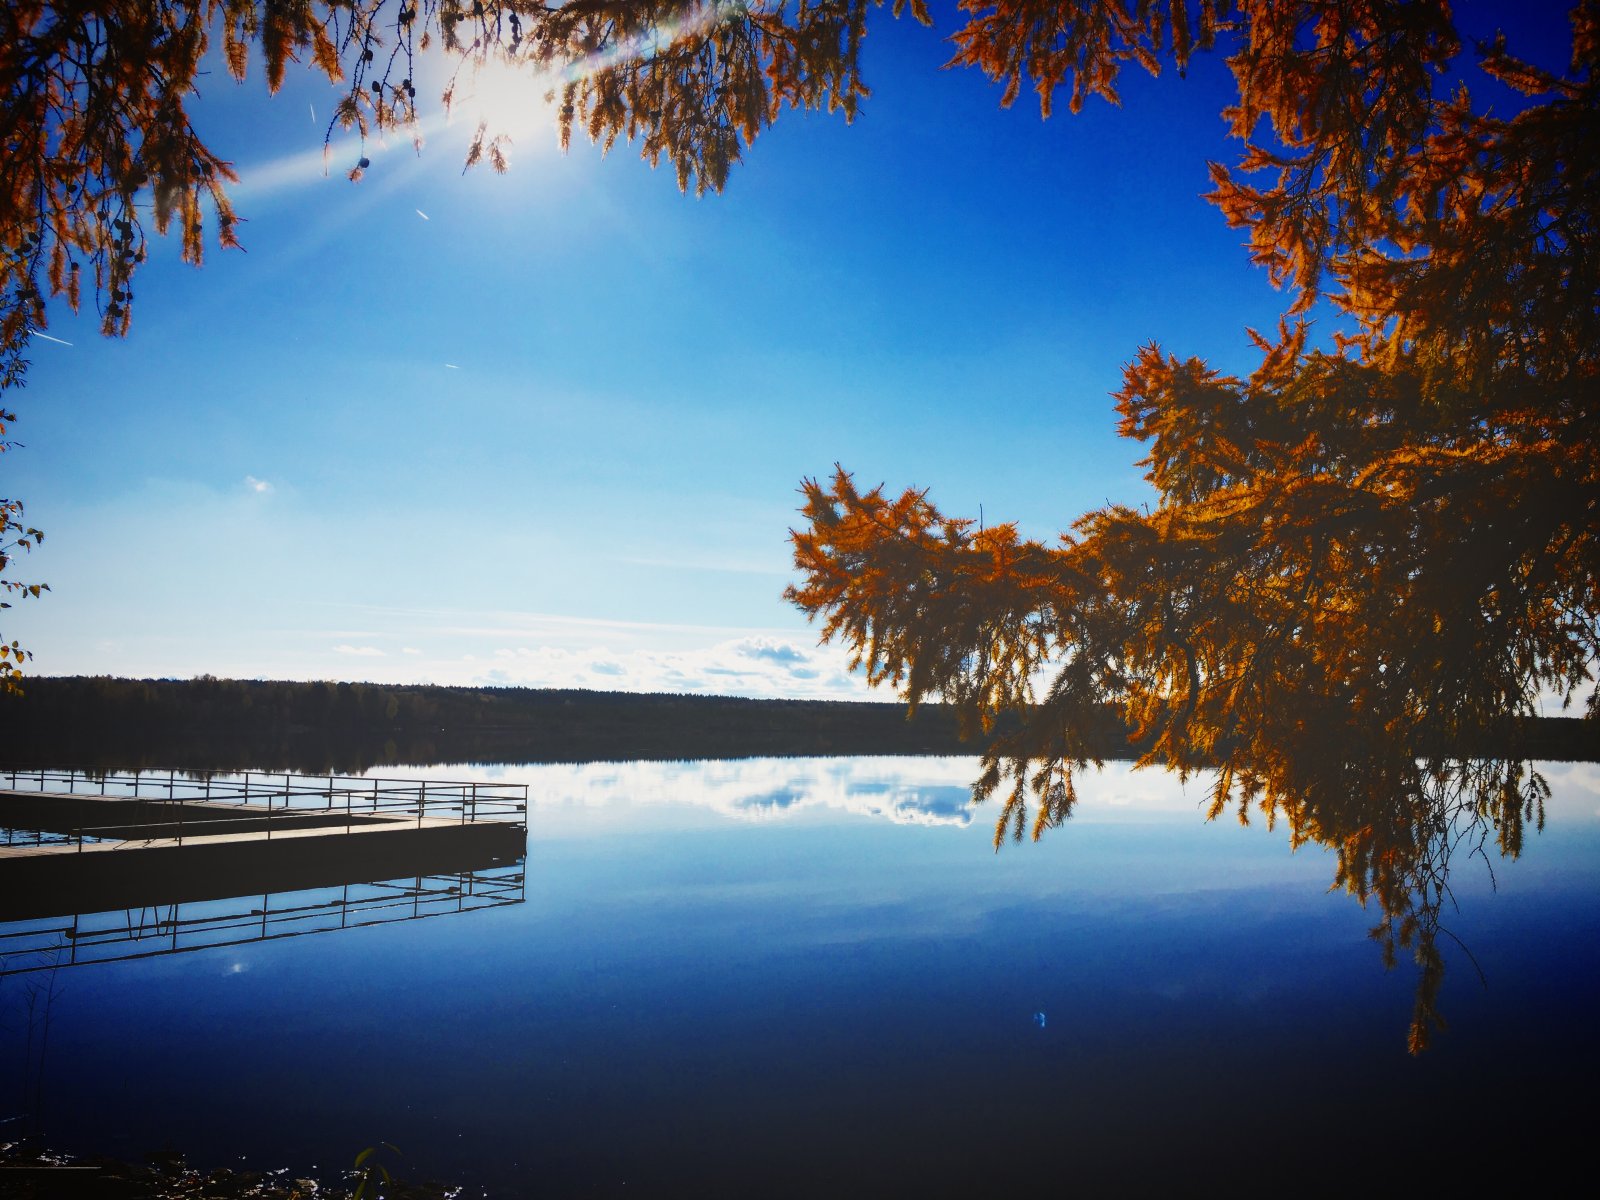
814	977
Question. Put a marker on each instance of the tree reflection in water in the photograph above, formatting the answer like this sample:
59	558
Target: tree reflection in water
1397	847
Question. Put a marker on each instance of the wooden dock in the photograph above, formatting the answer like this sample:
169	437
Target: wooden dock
77	843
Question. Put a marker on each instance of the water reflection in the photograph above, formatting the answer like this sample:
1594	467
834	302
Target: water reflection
181	864
707	994
1393	842
77	938
1398	828
904	791
35	950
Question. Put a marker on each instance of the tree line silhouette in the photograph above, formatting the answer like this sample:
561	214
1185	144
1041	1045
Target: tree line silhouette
102	722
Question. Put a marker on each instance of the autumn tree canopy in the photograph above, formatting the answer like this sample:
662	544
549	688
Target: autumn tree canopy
100	149
1370	557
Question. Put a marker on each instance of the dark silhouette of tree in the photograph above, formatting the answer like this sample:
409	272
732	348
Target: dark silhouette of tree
218	724
1367	561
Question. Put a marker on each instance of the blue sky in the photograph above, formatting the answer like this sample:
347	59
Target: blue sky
546	428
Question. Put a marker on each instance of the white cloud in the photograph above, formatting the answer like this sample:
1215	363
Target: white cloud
759	667
765	648
259	486
465	648
1575	791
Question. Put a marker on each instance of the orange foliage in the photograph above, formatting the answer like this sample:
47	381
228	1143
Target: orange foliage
98	140
1365	563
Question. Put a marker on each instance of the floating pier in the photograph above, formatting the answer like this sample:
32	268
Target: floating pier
77	842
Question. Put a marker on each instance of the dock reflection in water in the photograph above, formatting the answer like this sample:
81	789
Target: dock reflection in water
41	944
103	867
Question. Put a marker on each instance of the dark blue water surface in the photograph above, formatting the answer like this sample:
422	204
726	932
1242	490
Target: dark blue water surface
814	977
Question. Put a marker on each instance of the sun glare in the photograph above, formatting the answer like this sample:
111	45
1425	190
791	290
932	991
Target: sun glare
509	99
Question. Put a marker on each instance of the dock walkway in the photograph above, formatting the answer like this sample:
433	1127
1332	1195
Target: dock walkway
115	840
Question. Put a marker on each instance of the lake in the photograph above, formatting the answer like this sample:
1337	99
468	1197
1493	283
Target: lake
815	977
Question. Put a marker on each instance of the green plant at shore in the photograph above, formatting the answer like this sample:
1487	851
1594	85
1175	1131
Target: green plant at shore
15	535
372	1177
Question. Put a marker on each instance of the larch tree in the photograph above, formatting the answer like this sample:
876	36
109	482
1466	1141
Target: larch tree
1369	560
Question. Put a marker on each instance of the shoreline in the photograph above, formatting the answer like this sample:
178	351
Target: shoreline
29	1170
347	728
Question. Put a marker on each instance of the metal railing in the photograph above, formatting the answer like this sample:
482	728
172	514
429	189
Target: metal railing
265	801
40	945
29	836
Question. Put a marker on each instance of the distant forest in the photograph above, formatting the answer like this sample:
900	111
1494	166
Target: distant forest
225	724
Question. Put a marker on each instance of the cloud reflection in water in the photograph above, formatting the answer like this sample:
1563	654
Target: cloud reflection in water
905	791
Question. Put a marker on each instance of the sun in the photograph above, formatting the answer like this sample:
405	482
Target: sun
510	99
